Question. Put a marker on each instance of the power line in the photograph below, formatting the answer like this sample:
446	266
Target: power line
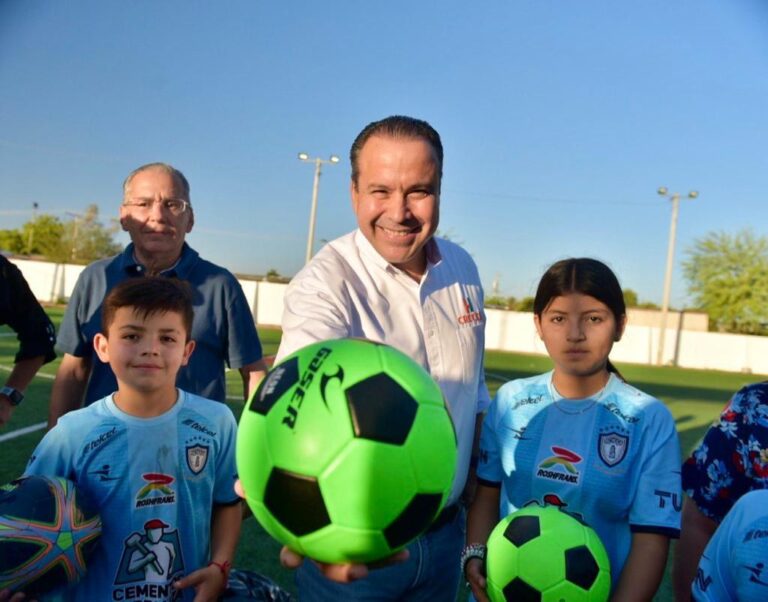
537	199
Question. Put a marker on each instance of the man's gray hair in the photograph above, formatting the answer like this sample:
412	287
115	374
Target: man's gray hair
177	176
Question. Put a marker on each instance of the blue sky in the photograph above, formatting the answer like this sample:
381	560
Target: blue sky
559	119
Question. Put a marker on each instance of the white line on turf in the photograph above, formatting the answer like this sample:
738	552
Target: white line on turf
24	431
38	375
501	377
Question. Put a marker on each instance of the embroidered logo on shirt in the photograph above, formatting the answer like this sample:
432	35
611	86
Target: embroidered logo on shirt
560	467
616	411
756	571
528	401
612	447
100	440
471	315
755	534
157	490
201	428
517	433
703	580
104	473
664	496
197	457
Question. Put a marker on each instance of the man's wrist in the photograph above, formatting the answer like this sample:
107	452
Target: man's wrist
14	396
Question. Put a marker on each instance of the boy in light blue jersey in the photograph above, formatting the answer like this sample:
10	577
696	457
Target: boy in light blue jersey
733	566
581	438
158	462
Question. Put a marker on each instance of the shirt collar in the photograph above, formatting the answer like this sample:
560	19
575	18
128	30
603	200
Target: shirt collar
366	248
181	269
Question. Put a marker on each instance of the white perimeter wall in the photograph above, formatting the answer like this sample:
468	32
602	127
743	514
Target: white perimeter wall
514	331
505	330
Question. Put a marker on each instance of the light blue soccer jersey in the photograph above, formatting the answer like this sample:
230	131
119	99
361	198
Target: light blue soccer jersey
613	459
154	481
733	565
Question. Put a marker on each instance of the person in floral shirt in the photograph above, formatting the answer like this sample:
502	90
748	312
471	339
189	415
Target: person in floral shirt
731	460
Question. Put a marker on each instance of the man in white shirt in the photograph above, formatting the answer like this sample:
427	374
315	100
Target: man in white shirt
391	281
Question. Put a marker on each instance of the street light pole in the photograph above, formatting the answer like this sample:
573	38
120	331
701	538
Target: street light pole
75	218
32	228
675	198
315	186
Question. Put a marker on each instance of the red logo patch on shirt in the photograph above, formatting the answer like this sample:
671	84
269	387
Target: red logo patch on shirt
471	315
560	467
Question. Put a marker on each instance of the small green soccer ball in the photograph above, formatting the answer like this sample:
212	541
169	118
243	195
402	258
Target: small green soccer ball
544	554
346	451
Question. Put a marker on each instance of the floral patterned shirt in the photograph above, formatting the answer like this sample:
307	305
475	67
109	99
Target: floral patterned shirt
732	459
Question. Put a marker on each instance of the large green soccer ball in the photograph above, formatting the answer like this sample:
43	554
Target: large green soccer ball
346	451
48	532
544	554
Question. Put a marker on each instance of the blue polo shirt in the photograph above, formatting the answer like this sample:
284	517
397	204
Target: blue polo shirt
223	328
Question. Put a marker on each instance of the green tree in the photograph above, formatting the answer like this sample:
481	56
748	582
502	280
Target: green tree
43	236
499	302
90	239
630	297
81	239
728	278
648	305
525	304
11	241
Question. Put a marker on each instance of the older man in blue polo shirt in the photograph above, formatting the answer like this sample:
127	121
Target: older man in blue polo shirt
157	214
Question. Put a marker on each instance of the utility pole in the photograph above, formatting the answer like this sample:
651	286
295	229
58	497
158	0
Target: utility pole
315	186
32	228
675	198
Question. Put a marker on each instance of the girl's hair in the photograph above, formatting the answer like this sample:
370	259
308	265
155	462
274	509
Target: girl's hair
588	277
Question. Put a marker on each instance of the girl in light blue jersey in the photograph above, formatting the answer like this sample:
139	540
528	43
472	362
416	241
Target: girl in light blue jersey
581	437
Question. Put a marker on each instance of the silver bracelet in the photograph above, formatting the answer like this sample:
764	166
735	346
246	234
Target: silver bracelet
473	550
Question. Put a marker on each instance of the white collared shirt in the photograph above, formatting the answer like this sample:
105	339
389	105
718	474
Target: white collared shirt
349	290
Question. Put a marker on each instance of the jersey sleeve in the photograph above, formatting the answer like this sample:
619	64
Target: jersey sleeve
244	344
26	317
311	313
748	546
489	469
658	496
54	455
731	458
226	469
713	577
732	566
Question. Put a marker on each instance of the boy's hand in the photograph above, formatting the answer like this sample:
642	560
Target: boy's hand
476	579
209	583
